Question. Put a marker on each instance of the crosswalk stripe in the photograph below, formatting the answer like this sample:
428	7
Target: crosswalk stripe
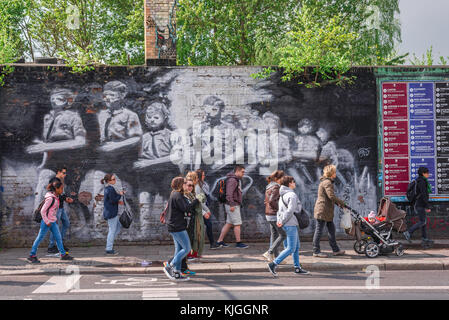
160	295
58	284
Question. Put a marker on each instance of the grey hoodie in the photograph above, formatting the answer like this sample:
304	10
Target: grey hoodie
288	205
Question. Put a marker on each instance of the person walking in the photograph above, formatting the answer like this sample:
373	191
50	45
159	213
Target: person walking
49	219
324	212
110	210
272	196
288	205
196	229
177	227
207	221
62	216
233	206
421	206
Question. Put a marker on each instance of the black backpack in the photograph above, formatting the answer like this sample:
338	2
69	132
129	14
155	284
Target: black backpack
411	191
222	190
37	217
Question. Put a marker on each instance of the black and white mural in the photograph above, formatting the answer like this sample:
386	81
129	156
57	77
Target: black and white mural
149	125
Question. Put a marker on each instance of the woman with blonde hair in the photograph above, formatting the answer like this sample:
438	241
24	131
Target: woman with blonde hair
324	212
196	228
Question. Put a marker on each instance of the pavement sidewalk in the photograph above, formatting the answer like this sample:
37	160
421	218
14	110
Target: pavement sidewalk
131	260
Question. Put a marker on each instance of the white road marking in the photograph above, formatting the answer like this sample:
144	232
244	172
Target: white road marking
275	288
58	284
160	295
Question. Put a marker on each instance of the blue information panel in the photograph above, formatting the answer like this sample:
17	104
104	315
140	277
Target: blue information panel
422	138
424	162
421	100
426	126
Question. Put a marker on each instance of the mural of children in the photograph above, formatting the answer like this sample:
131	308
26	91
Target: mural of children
328	153
120	135
63	132
154	166
277	146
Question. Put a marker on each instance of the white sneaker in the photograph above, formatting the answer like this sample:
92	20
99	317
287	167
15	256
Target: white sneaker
268	256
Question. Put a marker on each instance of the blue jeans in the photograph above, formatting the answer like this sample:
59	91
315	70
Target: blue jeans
64	218
182	248
292	247
421	224
114	229
54	229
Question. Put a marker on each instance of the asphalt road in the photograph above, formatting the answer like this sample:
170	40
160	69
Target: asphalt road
390	285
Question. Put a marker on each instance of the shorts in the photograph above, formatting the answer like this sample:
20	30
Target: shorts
233	218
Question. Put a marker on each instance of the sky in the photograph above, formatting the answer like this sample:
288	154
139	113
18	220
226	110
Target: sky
424	23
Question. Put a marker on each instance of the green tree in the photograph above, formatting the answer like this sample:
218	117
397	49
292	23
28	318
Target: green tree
95	31
230	32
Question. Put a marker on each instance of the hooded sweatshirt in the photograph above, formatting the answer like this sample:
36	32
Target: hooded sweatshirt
288	205
233	190
49	213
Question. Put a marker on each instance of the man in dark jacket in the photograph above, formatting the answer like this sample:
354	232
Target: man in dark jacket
232	207
421	206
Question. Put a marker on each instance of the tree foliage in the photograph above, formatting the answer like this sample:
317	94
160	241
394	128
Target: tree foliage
229	32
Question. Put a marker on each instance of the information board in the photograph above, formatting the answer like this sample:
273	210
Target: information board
415	129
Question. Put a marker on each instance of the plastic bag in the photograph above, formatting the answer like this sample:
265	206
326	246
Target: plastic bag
346	221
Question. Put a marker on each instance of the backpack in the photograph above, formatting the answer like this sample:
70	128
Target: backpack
302	217
411	191
163	214
222	190
37	217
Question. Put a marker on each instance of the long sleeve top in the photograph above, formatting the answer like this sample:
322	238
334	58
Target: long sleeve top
176	210
111	199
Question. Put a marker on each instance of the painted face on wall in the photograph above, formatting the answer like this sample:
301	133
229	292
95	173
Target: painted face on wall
322	134
213	111
271	123
58	101
305	127
154	120
112	99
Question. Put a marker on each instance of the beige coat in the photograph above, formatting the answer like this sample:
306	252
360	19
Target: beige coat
324	205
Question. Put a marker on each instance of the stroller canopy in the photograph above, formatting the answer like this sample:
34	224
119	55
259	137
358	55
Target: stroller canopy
392	214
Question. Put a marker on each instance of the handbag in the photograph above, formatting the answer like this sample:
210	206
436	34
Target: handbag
302	217
126	217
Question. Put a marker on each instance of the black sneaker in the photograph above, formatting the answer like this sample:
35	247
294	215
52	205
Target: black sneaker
241	245
111	252
168	270
214	246
33	259
300	270
66	257
53	249
222	244
179	277
272	268
66	249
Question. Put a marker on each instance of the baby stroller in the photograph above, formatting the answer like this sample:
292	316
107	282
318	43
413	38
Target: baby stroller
375	239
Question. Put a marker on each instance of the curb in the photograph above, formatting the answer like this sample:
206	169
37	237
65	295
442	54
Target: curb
233	268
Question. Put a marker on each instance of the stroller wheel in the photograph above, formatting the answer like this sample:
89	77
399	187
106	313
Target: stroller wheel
359	246
372	250
399	250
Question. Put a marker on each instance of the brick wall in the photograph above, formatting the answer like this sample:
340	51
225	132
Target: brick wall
343	130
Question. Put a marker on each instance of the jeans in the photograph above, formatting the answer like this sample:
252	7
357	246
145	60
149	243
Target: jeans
292	247
64	218
114	229
182	248
421	212
319	227
54	229
277	237
210	234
